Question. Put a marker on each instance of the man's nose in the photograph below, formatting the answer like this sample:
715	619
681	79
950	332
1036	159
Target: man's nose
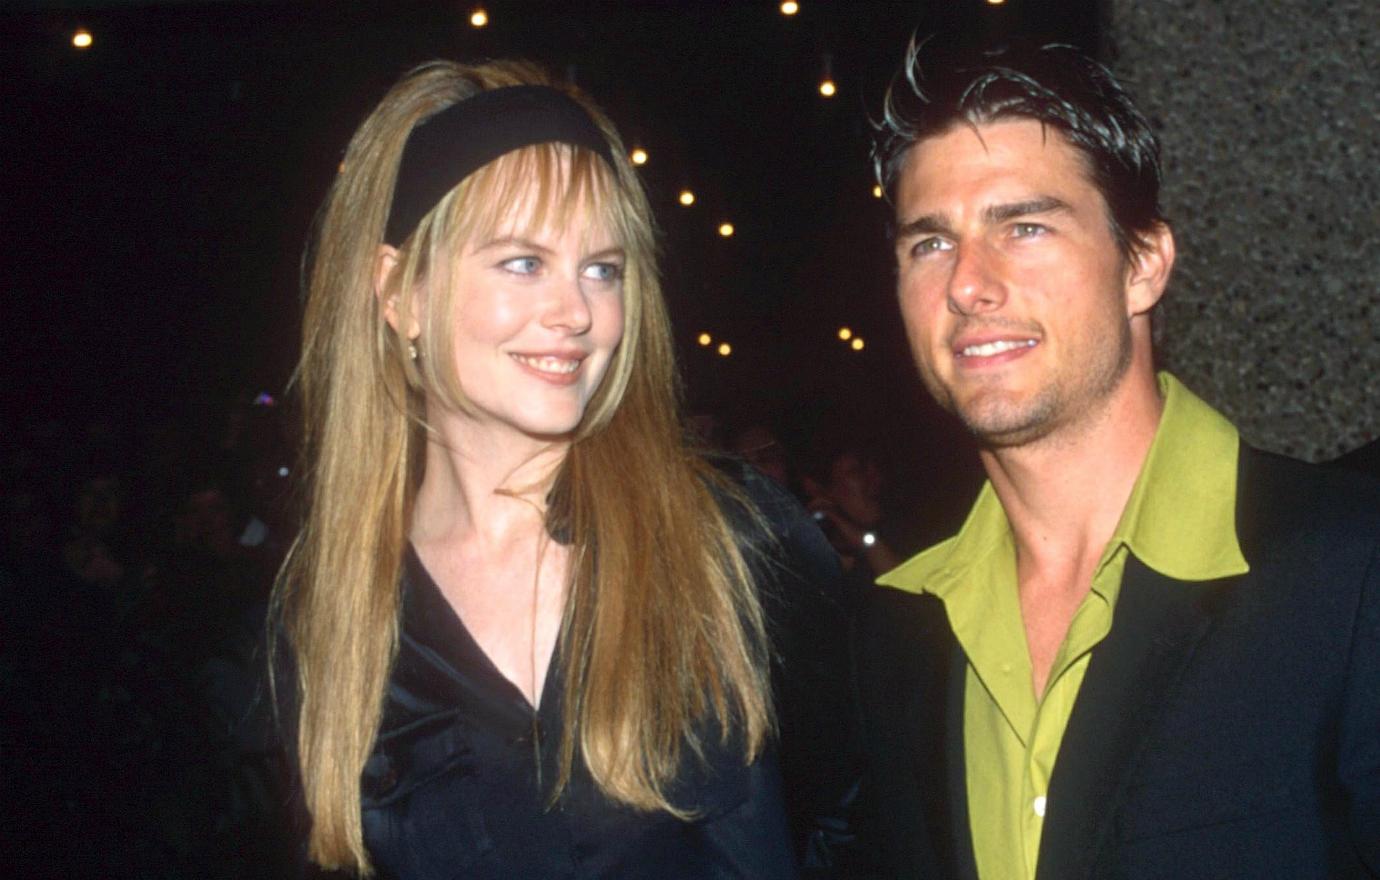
976	285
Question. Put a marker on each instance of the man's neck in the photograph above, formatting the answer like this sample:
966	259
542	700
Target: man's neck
1063	497
1069	488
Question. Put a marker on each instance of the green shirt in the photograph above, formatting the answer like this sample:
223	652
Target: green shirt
1180	521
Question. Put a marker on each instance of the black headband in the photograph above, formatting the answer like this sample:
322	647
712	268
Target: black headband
453	144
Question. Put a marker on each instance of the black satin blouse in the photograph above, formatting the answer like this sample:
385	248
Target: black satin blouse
457	785
461	772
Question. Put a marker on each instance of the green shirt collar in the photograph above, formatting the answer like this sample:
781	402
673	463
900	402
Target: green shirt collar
1180	519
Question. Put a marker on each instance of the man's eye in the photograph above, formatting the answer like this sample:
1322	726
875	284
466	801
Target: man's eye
1027	230
605	272
933	244
522	265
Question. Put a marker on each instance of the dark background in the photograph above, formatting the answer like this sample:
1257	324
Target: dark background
156	191
158	187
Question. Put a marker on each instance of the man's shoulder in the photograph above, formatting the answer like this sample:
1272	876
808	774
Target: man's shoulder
899	616
1304	526
1278	496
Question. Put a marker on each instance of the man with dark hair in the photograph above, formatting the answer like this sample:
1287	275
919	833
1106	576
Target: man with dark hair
1151	651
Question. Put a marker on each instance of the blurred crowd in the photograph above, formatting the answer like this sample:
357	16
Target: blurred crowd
134	576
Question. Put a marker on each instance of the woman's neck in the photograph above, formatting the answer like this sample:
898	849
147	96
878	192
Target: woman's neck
483	484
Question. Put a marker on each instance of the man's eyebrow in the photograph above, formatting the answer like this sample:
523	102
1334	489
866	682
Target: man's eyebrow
938	224
995	214
929	224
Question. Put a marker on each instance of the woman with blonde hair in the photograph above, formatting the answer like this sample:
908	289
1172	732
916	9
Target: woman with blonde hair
523	621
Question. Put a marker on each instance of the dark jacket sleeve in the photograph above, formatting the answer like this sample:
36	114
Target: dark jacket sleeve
802	594
1359	759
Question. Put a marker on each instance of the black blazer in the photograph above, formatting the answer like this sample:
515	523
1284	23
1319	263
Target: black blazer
1224	729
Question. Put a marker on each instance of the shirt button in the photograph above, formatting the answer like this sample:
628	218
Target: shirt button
1038	805
389	780
1006	668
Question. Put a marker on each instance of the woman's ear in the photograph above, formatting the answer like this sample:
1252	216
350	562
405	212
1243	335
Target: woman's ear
385	262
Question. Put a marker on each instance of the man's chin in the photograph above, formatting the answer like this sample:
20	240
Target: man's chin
1004	426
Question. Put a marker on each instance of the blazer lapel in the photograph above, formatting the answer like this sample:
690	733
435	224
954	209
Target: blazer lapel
958	845
937	717
1158	623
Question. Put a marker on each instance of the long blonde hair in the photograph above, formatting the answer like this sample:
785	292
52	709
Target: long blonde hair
664	632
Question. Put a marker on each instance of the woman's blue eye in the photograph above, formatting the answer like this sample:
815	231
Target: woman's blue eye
604	271
522	265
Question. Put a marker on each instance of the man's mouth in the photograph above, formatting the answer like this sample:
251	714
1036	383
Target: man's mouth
988	349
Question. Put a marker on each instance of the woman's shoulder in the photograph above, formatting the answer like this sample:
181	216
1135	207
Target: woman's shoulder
769	521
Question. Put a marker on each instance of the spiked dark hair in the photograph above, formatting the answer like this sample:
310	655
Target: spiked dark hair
1058	86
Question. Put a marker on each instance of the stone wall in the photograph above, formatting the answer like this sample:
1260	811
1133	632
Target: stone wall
1269	112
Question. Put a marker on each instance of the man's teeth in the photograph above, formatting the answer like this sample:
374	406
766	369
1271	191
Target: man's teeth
987	349
549	364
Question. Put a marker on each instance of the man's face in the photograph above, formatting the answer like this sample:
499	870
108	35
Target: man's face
1012	288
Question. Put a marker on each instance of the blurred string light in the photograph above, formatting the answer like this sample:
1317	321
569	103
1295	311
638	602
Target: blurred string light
687	198
857	343
638	156
790	7
81	38
995	2
726	230
876	190
725	349
704	339
479	17
827	88
845	333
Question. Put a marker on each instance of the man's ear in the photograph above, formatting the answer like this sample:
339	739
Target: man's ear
385	262
1147	275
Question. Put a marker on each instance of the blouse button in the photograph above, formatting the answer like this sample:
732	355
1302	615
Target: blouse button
382	770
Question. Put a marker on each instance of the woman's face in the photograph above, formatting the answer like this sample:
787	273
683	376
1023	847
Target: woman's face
538	316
